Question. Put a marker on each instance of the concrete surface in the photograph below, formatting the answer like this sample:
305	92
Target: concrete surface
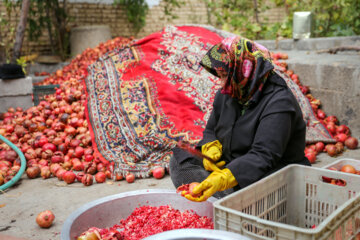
84	37
15	92
310	44
20	204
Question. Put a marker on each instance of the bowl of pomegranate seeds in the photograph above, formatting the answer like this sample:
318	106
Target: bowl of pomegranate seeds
137	215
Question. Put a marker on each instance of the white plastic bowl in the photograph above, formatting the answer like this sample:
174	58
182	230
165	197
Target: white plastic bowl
196	234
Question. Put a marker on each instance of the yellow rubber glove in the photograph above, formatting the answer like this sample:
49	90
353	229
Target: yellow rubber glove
214	151
216	181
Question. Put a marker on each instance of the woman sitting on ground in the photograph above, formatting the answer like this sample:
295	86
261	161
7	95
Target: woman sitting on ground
256	126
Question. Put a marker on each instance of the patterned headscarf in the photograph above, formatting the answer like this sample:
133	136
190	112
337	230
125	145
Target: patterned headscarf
243	66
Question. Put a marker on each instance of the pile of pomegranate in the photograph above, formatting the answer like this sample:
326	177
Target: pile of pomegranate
54	135
55	138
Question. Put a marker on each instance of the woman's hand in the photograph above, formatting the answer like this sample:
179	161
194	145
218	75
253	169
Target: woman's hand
213	150
218	180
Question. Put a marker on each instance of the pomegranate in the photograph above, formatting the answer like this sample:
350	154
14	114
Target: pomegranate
33	171
31	162
348	169
69	177
331	127
47	154
158	172
42	141
100	167
339	147
88	151
30	154
50	146
88	158
43	162
351	143
311	156
15	168
57	157
10	155
118	176
331	149
1	179
191	188
341	137
321	114
343	129
77	165
45	172
130	177
332	119
54	168
90	168
100	177
108	174
59	173
79	151
188	189
20	131
319	147
79	176
66	165
87	179
45	219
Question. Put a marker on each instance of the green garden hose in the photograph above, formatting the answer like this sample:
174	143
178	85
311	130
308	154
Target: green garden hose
22	167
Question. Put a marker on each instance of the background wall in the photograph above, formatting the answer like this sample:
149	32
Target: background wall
95	12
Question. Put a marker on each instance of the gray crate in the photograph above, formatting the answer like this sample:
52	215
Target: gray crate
344	161
288	203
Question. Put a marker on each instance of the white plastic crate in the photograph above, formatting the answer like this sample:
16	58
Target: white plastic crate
344	161
286	204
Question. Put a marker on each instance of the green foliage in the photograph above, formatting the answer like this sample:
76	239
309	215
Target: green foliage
170	8
331	17
136	11
23	63
45	15
240	17
50	16
7	32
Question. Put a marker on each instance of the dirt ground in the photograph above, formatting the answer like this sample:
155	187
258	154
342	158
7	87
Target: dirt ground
20	204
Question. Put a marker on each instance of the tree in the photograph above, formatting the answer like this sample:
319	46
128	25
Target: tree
20	32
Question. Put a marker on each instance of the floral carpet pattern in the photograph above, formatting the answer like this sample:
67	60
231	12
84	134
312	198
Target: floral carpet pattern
143	98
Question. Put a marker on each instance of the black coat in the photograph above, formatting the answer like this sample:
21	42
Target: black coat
264	139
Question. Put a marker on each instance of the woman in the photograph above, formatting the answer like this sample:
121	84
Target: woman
256	126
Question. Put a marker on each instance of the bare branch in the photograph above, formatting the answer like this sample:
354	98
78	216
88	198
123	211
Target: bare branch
334	50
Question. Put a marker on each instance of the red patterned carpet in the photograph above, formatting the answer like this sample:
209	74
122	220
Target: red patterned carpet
144	97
